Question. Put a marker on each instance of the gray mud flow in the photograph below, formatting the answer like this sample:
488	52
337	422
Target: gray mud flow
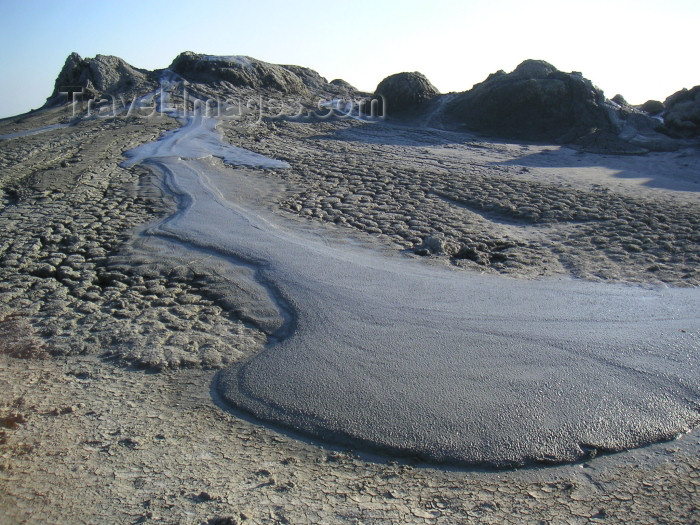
390	353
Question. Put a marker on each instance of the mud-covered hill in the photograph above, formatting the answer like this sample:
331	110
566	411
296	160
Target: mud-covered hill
533	102
240	71
103	74
537	102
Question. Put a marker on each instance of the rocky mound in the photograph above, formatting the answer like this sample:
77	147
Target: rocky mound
652	107
241	71
682	116
343	86
101	75
310	78
620	100
315	82
404	92
534	102
635	130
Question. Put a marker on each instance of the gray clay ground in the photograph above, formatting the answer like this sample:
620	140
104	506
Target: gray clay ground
516	209
103	444
88	439
418	359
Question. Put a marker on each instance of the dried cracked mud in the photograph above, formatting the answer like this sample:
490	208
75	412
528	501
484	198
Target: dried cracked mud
91	434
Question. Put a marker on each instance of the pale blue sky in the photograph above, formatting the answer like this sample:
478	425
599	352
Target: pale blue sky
642	49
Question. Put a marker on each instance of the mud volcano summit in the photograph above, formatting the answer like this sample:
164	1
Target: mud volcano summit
502	277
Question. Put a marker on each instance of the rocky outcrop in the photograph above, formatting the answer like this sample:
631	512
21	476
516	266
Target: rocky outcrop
404	92
317	83
310	78
620	100
682	115
97	76
638	128
635	130
240	71
343	86
652	107
534	102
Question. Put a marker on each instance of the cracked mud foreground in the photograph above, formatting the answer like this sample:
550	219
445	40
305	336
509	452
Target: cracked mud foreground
89	439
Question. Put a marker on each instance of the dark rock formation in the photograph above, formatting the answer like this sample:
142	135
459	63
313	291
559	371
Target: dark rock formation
534	69
240	71
652	107
405	92
639	129
310	78
620	100
634	131
315	82
343	86
682	116
99	76
534	102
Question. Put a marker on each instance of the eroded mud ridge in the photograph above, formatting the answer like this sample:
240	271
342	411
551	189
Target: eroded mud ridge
481	202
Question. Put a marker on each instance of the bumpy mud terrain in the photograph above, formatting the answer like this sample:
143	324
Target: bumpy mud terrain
488	209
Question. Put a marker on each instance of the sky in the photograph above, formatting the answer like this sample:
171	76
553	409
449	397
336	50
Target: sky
642	49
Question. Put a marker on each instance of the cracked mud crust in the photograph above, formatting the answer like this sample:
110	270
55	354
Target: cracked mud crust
494	207
99	443
68	215
88	437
